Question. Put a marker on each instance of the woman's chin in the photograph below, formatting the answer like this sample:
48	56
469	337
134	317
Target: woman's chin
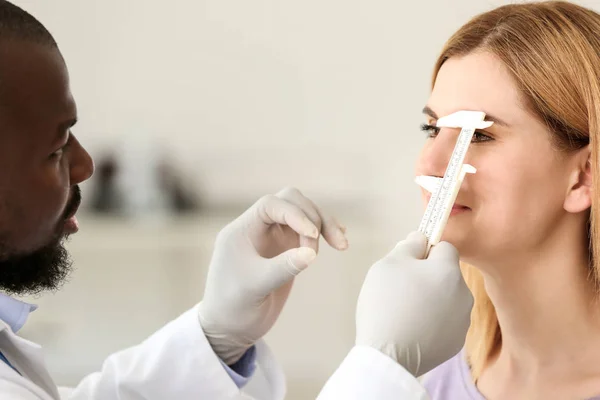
460	238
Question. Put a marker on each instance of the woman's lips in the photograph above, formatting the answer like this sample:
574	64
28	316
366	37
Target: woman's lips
456	208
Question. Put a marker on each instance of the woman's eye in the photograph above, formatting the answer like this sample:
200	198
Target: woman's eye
479	137
431	131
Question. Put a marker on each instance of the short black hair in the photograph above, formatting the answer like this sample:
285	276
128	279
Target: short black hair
18	24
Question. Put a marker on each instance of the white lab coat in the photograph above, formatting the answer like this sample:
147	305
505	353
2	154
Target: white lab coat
177	363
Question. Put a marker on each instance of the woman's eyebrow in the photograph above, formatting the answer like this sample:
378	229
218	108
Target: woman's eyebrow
428	111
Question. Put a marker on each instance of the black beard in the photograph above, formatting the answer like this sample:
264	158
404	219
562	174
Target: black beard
46	268
29	274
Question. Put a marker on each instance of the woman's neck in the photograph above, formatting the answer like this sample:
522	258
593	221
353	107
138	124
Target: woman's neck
546	308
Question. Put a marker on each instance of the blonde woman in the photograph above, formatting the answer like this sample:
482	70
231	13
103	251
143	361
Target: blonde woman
526	224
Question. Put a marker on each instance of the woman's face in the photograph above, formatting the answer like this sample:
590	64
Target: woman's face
516	200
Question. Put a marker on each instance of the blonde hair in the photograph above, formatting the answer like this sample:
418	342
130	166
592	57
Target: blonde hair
552	50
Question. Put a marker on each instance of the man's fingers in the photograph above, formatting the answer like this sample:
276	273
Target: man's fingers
294	196
285	267
413	246
332	231
343	227
290	207
329	227
443	251
309	242
273	210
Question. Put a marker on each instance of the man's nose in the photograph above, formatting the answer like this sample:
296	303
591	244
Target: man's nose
82	165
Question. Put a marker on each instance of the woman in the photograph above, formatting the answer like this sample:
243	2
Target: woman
527	222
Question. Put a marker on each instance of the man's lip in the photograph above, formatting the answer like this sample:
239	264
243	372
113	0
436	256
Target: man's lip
71	225
72	213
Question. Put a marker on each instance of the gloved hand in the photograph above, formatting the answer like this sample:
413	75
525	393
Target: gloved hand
255	260
415	310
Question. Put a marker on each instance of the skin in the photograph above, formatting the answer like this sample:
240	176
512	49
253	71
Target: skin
41	161
523	225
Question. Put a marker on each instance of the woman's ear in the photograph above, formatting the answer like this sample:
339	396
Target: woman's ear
579	195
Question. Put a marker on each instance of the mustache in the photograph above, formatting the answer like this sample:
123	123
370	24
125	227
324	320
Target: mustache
74	203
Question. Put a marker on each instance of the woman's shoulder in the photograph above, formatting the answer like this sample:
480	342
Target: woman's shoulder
451	381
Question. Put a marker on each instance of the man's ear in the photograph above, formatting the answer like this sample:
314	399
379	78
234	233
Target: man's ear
579	192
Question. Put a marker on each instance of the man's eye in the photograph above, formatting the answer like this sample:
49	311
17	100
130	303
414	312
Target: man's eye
58	153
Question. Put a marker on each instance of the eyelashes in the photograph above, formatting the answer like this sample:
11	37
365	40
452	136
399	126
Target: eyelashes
431	131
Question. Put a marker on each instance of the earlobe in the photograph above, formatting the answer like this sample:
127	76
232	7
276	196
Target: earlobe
579	196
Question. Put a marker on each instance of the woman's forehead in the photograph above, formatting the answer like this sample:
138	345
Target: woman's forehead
478	81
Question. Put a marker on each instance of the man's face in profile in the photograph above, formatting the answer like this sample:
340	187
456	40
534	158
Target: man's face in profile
41	165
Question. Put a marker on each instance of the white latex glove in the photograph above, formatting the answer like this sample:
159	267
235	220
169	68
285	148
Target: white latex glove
255	260
415	310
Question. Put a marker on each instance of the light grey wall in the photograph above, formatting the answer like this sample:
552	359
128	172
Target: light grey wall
253	96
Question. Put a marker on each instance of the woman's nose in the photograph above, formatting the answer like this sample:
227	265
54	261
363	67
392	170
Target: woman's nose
436	154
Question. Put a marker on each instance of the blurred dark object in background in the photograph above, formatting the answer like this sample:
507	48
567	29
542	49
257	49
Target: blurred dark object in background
180	197
141	185
107	198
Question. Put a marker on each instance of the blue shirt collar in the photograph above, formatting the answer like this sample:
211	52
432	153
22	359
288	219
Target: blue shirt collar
14	312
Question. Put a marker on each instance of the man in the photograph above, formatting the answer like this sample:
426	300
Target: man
213	351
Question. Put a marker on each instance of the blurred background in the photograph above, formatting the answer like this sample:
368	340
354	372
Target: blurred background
193	109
